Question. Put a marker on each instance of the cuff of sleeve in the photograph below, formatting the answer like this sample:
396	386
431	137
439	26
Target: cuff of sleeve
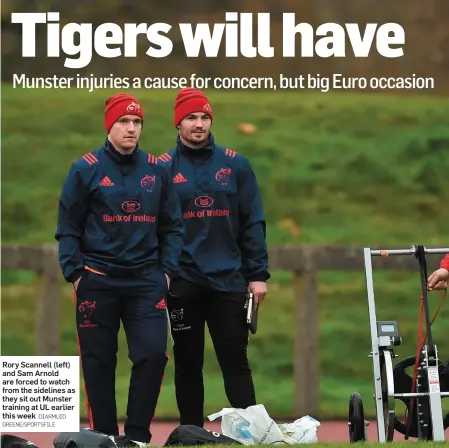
445	262
259	277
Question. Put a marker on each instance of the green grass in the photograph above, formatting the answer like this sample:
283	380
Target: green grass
333	170
305	145
344	342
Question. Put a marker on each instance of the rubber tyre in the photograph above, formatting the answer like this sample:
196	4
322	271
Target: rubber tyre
356	419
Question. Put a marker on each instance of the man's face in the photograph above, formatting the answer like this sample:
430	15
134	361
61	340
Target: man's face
125	132
195	128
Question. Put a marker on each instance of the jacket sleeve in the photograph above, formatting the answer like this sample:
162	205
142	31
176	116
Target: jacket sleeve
72	210
170	228
445	262
253	226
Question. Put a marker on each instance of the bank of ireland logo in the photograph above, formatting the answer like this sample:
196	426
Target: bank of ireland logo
223	175
204	201
148	182
130	206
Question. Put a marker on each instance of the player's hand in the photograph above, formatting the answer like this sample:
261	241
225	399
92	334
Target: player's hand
259	289
75	284
438	280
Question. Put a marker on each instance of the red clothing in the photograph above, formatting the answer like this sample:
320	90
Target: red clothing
445	262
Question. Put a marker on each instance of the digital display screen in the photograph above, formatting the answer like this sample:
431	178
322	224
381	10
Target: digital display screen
388	328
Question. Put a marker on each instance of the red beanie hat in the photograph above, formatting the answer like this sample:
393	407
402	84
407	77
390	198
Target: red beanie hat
118	105
189	101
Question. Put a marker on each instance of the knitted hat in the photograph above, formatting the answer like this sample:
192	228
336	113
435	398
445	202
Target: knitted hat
118	105
189	101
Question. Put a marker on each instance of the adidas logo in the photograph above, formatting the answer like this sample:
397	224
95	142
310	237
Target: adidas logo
106	182
161	305
179	178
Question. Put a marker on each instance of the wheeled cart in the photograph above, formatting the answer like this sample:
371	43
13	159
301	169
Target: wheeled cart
421	393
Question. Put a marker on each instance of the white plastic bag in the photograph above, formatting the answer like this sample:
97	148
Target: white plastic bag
302	430
250	426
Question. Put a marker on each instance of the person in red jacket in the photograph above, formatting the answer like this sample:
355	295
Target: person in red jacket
438	280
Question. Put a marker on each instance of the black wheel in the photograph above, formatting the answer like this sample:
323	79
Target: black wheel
387	388
403	384
356	419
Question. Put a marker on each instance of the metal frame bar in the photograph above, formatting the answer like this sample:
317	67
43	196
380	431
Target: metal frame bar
374	345
419	394
435	398
411	251
437	423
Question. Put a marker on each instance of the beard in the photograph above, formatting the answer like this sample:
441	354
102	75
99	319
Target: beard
196	137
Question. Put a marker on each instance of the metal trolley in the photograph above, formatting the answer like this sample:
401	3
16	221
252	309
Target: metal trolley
422	394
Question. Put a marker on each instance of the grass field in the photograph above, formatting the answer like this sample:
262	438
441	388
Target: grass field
333	170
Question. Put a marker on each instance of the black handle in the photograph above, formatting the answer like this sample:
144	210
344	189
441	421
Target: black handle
420	254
